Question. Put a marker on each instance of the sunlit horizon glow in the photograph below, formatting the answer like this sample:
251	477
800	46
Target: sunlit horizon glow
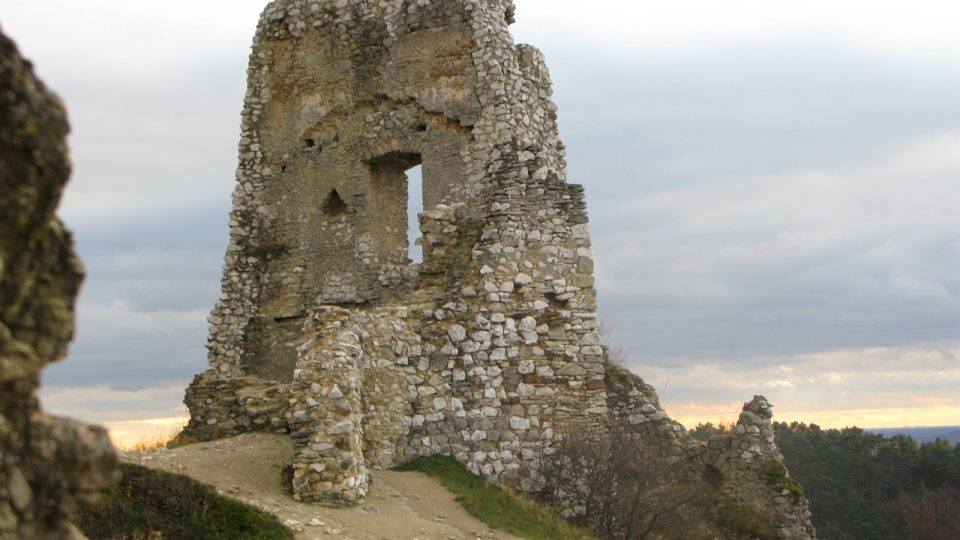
691	414
124	434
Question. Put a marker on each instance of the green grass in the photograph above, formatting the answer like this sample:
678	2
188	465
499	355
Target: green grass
776	475
499	508
146	500
613	374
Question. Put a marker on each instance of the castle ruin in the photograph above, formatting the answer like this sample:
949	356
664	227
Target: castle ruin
488	350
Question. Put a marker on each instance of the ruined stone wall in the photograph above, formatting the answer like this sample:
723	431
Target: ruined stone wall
489	349
343	97
747	467
744	466
47	463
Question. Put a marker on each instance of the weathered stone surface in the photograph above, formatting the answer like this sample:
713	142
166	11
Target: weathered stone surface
744	466
749	469
46	463
487	350
458	354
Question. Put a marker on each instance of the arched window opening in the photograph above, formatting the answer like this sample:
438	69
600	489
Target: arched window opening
334	205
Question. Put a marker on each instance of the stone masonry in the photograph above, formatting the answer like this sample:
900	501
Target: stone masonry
489	349
47	463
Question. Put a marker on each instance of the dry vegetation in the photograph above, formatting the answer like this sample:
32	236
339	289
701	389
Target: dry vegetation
607	482
145	444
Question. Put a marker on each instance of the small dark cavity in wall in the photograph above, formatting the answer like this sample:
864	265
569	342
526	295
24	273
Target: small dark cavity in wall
288	318
334	205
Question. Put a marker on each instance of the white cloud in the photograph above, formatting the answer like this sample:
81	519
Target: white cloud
135	168
921	28
144	40
103	403
908	377
153	92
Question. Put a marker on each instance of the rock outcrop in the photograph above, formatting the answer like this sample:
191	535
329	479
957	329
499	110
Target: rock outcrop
744	465
47	463
489	349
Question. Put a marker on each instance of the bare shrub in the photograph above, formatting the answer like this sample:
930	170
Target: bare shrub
616	356
606	481
702	432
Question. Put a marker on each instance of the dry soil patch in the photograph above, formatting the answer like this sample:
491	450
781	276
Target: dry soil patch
400	505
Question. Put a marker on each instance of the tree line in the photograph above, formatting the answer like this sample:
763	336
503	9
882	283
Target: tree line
867	486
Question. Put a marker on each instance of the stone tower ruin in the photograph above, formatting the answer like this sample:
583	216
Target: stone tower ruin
483	346
487	350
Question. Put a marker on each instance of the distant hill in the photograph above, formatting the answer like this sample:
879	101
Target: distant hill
922	434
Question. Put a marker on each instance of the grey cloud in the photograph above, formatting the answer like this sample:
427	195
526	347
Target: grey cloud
710	240
101	403
715	260
707	115
142	309
789	263
125	348
873	377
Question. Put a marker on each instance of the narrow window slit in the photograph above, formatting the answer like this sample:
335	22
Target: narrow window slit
414	208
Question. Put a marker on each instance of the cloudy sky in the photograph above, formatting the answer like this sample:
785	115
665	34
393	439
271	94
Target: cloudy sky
774	189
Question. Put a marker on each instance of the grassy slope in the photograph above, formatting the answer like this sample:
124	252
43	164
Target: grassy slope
496	507
146	500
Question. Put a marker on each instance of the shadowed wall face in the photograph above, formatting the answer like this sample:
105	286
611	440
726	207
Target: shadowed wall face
348	112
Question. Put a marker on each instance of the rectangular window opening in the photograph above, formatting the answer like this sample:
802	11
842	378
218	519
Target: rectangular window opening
414	208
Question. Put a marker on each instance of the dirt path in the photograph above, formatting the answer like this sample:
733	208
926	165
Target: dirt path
406	505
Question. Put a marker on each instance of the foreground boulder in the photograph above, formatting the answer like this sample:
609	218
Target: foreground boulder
47	463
